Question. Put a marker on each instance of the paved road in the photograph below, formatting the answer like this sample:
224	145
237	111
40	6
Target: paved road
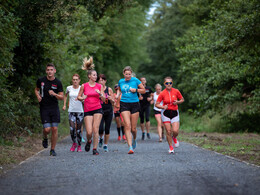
151	170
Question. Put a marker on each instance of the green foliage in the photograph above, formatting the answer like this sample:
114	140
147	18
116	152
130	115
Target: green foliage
220	63
168	23
17	116
9	39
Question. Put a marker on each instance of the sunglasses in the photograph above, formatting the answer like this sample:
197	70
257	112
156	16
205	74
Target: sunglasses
168	83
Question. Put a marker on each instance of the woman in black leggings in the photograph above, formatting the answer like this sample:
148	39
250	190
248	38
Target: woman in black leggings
107	107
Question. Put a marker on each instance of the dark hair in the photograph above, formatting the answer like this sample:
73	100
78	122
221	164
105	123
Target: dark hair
102	76
50	64
116	86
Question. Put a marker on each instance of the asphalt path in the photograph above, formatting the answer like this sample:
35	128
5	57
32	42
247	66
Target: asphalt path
151	170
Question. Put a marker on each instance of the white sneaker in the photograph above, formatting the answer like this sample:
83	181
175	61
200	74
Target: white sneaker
175	142
171	150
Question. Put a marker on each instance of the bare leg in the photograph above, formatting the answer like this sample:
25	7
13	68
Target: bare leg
147	124
175	128
127	122
159	125
169	133
134	119
88	124
96	122
54	137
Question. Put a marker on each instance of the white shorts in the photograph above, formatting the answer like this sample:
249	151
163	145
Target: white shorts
170	116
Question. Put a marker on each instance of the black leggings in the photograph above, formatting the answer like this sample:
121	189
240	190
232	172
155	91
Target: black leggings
146	110
75	121
107	119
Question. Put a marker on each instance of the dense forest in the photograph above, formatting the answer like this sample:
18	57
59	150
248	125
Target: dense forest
211	48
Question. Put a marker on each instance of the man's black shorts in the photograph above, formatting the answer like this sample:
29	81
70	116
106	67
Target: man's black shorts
50	115
132	107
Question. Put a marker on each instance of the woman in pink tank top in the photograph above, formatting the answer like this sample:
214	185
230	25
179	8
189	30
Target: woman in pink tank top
91	92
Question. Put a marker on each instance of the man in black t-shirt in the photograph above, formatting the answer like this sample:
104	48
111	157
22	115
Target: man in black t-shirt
48	91
145	108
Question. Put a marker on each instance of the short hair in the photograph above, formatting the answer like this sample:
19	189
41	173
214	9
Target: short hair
76	75
50	64
167	78
157	85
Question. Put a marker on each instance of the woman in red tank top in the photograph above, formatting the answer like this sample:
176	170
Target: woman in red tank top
91	92
170	97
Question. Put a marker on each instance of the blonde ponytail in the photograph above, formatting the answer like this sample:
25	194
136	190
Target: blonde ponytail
88	64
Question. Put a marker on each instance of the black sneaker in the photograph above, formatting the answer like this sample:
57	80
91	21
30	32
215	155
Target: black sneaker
45	142
143	134
53	153
148	136
87	146
95	152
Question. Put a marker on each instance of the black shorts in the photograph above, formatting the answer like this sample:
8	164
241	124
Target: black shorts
156	112
117	114
132	107
50	115
92	112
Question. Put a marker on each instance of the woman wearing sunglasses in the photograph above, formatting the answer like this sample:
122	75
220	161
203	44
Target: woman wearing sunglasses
170	97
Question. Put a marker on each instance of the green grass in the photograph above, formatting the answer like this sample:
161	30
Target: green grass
190	123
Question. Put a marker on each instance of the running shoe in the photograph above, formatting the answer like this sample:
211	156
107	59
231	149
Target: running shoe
175	142
124	138
105	148
131	150
143	135
53	153
134	143
100	142
73	147
87	146
95	152
45	142
148	136
79	149
119	138
82	140
171	150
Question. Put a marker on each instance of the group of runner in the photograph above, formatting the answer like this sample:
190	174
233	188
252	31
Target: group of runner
132	97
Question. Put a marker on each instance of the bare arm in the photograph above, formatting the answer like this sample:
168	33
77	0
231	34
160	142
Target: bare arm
64	101
158	105
111	96
37	94
178	101
81	96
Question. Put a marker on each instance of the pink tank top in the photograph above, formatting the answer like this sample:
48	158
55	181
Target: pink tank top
92	102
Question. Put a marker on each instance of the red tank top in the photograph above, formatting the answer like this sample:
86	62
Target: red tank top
92	102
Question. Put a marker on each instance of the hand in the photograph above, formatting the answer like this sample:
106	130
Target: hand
39	98
109	97
149	99
52	93
64	108
175	102
141	97
84	96
165	107
133	90
98	91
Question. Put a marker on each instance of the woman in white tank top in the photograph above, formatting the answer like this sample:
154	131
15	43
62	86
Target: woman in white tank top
157	112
